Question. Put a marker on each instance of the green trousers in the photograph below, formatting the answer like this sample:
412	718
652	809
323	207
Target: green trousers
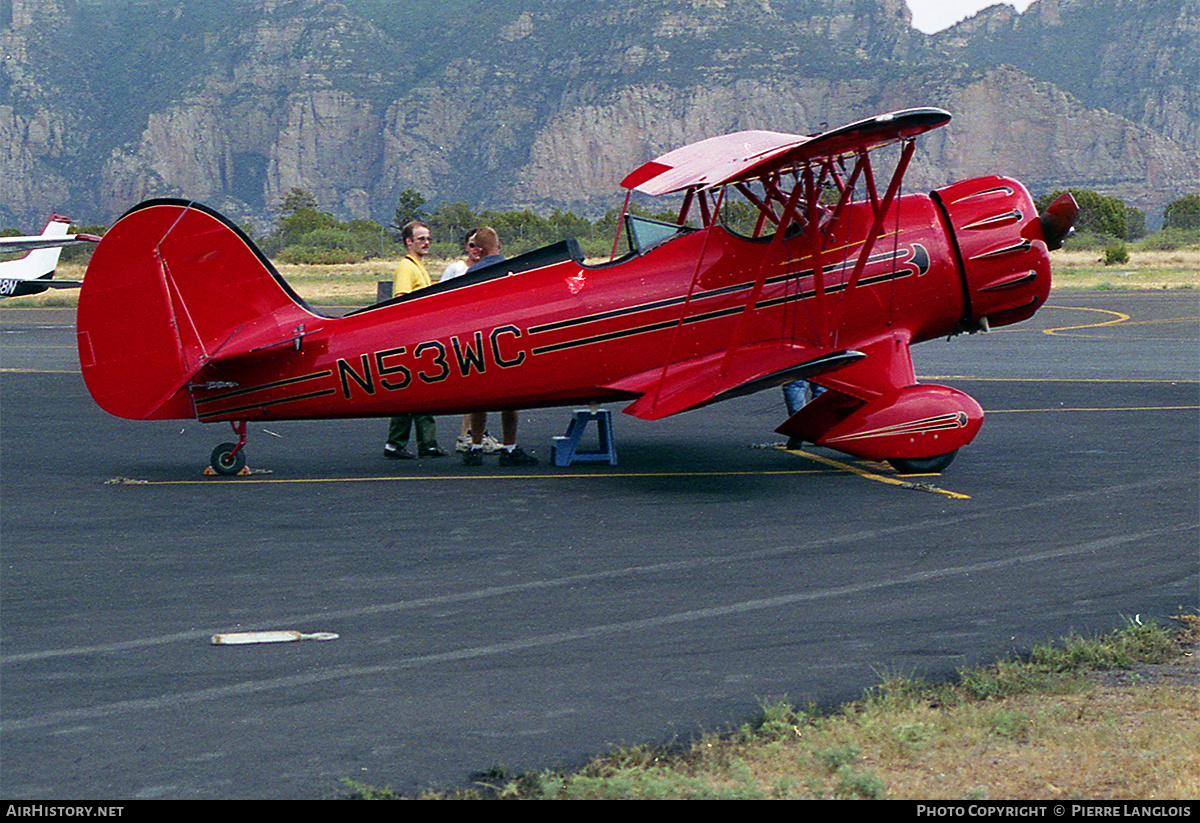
400	427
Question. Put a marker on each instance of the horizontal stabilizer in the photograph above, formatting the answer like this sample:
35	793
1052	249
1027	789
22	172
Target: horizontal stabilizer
10	244
32	273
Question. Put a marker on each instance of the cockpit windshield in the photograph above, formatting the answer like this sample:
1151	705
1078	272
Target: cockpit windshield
645	234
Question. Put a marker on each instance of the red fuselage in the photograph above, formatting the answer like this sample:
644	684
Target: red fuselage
559	334
181	317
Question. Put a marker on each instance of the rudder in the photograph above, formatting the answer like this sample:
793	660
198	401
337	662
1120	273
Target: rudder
170	287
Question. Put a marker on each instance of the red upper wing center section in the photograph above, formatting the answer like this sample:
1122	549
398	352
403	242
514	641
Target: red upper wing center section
747	155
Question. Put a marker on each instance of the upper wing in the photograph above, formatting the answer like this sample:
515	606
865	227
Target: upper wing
749	155
27	243
710	162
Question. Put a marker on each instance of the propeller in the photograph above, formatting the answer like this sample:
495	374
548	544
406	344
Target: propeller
1058	220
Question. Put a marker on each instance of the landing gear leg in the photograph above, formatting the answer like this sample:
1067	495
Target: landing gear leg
229	458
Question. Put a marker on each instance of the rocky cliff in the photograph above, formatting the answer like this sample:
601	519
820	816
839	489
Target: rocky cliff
234	102
1136	58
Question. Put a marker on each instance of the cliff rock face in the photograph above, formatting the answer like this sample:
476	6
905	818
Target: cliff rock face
1136	58
234	102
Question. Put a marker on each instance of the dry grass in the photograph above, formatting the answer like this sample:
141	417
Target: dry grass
1100	743
344	285
1111	718
1144	270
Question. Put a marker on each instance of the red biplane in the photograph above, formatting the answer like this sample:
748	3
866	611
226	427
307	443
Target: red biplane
181	316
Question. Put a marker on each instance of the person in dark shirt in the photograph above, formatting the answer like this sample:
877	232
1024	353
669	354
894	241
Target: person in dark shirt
486	239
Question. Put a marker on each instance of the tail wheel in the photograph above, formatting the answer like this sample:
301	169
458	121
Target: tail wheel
228	459
922	465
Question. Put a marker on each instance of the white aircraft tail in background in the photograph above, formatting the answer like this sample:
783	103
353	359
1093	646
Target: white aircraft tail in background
32	273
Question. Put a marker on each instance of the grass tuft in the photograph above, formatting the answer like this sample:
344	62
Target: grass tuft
1040	727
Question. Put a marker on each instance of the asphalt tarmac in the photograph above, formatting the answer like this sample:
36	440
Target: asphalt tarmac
525	619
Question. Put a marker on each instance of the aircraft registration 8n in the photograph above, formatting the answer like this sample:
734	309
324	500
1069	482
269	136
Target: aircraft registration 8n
837	277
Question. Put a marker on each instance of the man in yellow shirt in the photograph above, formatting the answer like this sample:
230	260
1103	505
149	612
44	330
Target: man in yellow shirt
411	275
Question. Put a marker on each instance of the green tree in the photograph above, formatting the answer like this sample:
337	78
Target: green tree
410	205
450	222
1183	213
564	224
519	229
295	200
1098	214
334	244
1135	224
299	214
304	221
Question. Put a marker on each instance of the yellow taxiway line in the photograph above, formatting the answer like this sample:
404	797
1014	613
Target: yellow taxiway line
250	478
1094	409
1117	317
905	482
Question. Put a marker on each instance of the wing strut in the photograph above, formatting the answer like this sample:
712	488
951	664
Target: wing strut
763	158
880	209
691	289
620	224
760	279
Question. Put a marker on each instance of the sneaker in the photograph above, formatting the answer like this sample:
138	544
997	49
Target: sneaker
490	444
431	451
393	452
516	457
473	457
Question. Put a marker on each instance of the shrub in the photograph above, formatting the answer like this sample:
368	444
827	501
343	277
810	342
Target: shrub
1183	213
1097	213
316	256
1116	254
1171	239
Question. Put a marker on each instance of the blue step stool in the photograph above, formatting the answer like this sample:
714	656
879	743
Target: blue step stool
565	450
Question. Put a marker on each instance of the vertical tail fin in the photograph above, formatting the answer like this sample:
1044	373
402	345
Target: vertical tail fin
169	287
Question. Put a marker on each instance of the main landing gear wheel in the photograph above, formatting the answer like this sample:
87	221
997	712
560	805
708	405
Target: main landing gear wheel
227	459
922	465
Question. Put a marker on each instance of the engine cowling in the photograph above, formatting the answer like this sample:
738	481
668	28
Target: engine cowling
1002	245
